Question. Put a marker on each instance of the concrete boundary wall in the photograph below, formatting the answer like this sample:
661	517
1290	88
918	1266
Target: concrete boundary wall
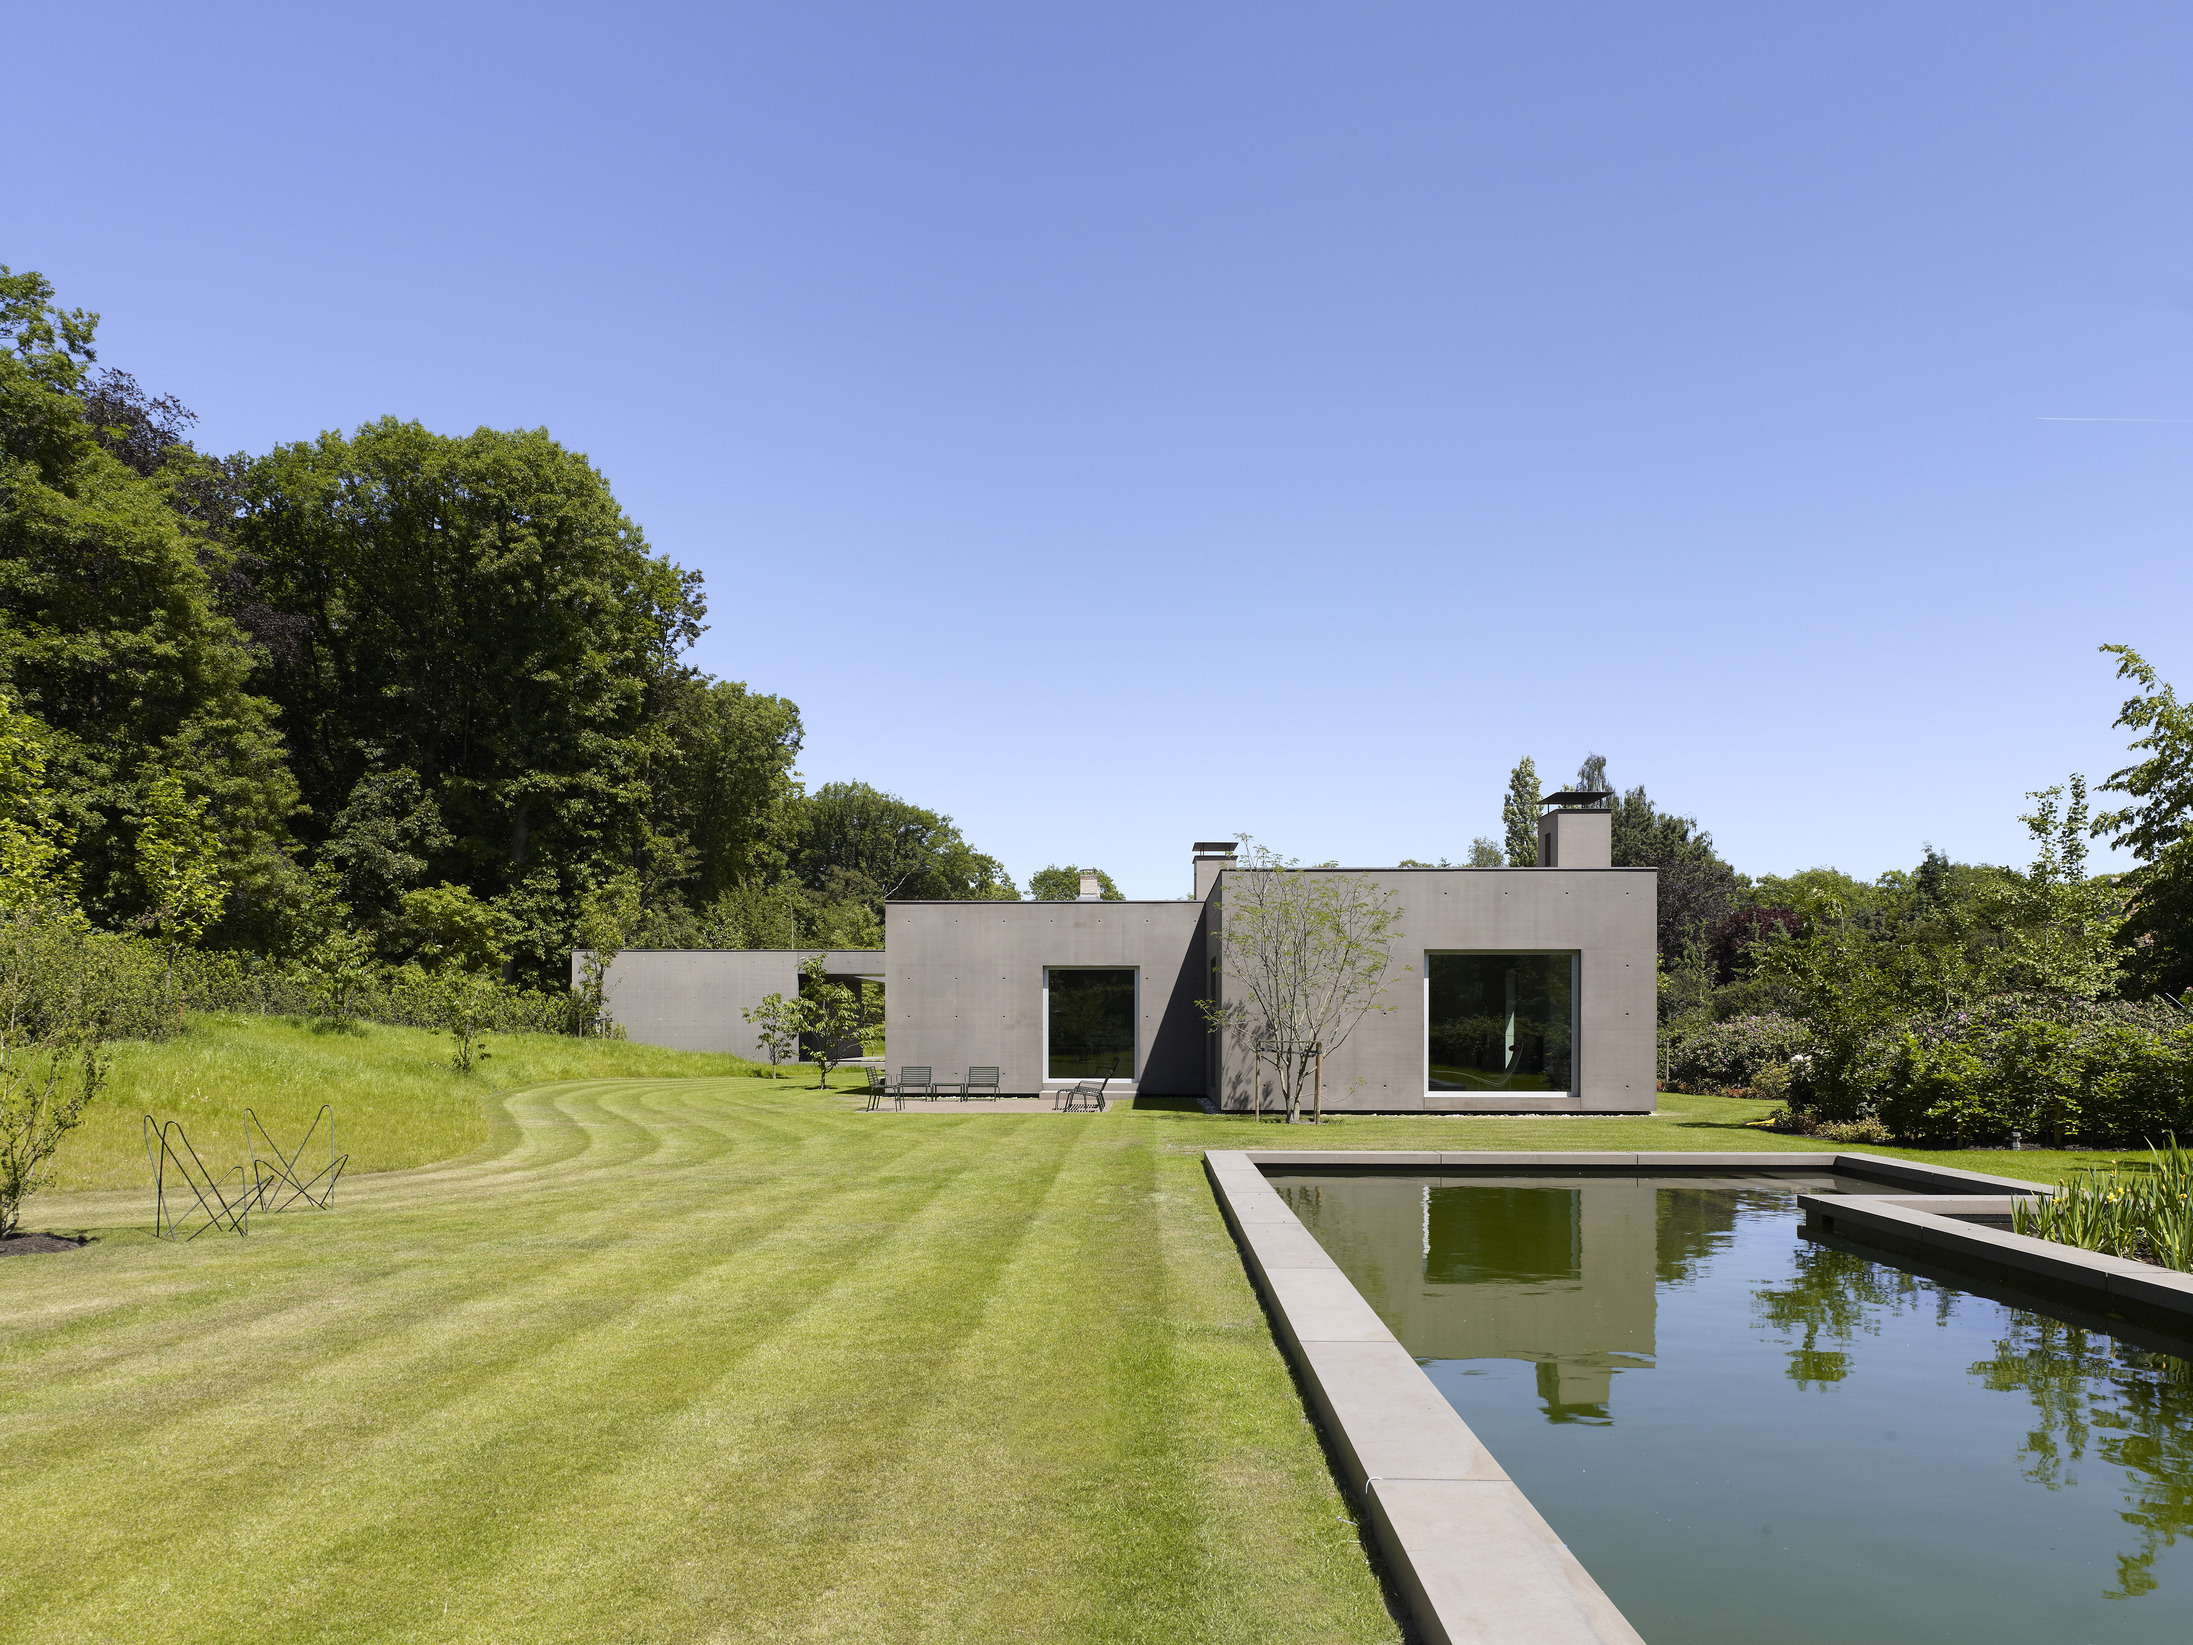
1473	1560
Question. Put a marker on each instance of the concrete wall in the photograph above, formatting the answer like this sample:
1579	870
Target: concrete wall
691	999
965	984
1606	916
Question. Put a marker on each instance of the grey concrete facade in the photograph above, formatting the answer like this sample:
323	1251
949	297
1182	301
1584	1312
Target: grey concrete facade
1607	918
965	985
692	999
966	982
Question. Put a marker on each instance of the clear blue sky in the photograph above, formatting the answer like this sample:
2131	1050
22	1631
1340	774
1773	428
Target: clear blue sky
1120	425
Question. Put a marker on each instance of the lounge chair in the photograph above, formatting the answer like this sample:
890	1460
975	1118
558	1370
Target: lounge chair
915	1082
982	1081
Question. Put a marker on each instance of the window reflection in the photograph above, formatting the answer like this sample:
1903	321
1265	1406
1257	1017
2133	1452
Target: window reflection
1500	1022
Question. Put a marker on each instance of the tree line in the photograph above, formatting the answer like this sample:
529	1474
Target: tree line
394	697
1950	1002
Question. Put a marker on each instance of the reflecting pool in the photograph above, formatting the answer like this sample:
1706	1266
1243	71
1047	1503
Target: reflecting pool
1746	1435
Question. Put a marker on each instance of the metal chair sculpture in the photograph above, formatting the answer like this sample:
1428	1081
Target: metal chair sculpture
915	1082
982	1081
284	1176
168	1148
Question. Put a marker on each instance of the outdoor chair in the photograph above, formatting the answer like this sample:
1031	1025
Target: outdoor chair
1086	1096
982	1080
915	1082
879	1087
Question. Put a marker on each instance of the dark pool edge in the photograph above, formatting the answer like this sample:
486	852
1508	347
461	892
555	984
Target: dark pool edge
2114	1287
1472	1558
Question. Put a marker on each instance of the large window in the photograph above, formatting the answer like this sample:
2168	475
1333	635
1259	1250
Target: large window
1501	1022
1091	1024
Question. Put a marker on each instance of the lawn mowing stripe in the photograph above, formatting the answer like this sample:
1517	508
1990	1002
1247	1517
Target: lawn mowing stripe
900	1207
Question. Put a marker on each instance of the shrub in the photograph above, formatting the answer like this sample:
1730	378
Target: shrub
1729	1056
58	985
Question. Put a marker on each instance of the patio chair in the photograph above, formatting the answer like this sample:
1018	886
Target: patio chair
879	1087
1087	1096
915	1082
982	1080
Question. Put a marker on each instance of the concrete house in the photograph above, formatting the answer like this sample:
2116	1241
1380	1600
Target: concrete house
1513	990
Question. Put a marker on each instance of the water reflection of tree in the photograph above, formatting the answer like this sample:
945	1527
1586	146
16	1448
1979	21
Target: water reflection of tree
1690	1224
1832	1297
2133	1406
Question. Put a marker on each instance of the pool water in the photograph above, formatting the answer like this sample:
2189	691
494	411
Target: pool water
1746	1435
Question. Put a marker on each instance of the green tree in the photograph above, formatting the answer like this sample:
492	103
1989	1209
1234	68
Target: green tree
829	1017
32	860
899	849
53	1027
111	637
179	863
448	928
722	786
607	914
2158	930
1697	889
476	610
1485	853
1055	884
2056	927
1519	814
1591	778
777	1027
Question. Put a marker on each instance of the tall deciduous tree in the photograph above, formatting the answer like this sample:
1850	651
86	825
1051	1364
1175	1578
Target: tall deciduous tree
1697	889
111	637
897	848
1519	814
1055	884
480	612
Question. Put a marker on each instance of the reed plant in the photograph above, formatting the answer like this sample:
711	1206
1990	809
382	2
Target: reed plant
2141	1209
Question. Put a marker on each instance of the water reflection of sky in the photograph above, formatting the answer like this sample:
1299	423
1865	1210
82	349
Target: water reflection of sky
1749	1436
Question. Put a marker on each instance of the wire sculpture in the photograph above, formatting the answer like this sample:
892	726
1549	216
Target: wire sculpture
168	1147
285	1171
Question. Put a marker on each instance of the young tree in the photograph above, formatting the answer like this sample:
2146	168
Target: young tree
52	1053
1311	951
1055	884
829	1015
1519	813
1485	853
777	1026
606	914
178	860
2159	926
2058	928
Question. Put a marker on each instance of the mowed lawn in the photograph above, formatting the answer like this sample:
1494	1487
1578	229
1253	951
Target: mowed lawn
701	1359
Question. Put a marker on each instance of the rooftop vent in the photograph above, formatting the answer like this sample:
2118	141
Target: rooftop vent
1092	888
1214	848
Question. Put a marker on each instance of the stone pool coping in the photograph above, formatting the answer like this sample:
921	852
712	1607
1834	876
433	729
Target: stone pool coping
1474	1561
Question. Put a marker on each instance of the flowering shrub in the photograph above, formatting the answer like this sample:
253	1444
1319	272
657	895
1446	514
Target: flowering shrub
1724	1057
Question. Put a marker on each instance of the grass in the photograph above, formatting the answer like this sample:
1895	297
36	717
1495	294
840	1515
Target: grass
700	1359
397	1101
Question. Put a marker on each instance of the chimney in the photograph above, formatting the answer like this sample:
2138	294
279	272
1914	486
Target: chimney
1091	889
1212	857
